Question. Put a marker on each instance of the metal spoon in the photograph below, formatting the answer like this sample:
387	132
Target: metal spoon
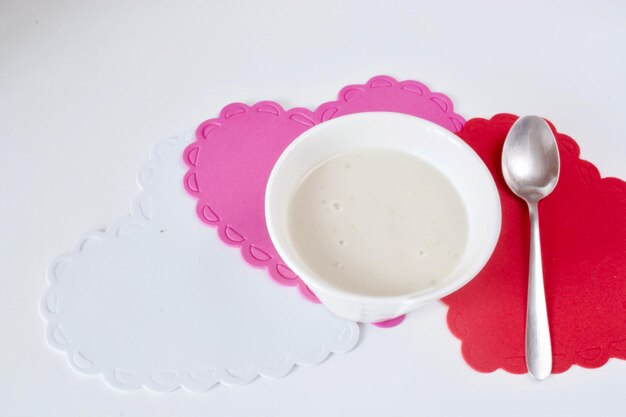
530	164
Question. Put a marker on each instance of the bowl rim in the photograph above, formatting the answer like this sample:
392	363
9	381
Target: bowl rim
321	285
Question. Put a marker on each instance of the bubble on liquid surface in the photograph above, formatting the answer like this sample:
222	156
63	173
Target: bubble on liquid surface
338	205
342	242
422	252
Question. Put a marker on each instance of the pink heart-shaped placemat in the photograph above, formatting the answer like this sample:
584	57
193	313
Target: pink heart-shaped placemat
233	155
583	238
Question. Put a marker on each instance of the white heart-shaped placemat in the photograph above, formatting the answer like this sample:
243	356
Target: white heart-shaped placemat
158	301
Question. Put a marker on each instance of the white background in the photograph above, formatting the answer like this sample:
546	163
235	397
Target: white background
87	87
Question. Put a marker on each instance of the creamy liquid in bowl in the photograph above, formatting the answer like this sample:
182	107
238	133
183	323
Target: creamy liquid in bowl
378	222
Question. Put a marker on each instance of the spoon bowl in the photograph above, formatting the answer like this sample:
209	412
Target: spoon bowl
530	159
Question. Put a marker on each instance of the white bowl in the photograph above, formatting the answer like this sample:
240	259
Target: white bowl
430	142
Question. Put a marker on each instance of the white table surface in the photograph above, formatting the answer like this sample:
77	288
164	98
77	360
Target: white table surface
86	88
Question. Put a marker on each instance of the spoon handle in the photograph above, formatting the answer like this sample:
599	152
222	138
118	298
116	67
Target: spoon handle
538	346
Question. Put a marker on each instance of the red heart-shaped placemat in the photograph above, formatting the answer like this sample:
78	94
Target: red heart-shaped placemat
583	236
